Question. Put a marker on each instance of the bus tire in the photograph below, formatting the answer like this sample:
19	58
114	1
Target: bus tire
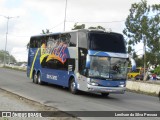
35	78
40	82
104	94
72	86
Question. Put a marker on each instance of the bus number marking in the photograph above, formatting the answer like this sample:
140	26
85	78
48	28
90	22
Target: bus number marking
51	77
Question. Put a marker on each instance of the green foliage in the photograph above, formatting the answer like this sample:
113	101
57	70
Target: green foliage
78	26
92	28
157	70
142	26
98	27
8	57
139	62
45	32
82	26
28	44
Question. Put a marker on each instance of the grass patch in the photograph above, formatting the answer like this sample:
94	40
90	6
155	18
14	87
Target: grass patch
15	68
142	92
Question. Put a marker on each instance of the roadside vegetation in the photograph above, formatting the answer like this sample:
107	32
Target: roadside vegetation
142	26
18	68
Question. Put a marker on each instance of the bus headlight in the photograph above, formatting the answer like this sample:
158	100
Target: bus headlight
93	82
121	85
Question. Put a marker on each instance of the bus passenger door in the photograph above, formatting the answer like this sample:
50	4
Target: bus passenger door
82	81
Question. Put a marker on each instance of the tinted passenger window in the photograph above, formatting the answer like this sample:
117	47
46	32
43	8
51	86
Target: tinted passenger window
73	39
82	40
36	42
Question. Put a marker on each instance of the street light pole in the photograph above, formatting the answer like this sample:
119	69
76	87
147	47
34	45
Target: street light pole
7	17
144	72
65	15
6	42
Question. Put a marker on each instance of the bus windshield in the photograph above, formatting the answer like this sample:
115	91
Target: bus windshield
111	42
108	68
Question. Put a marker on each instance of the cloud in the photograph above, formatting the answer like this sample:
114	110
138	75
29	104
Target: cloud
36	15
20	53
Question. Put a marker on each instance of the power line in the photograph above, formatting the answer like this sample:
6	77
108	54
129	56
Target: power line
19	36
96	22
56	25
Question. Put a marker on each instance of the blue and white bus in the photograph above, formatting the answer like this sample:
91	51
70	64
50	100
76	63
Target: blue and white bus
87	60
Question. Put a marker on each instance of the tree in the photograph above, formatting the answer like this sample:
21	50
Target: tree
28	44
43	32
46	32
142	25
92	28
78	26
98	27
82	26
8	57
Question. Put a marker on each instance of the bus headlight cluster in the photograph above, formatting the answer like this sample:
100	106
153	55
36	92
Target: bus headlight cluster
121	85
92	82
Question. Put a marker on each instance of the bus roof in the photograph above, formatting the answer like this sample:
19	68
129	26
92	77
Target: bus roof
85	30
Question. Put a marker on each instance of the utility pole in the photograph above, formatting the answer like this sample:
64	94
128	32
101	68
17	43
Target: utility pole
144	74
65	16
7	17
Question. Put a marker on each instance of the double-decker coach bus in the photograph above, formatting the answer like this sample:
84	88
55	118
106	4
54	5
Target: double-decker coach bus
87	60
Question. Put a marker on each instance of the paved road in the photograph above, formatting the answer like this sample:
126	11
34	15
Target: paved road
13	102
17	82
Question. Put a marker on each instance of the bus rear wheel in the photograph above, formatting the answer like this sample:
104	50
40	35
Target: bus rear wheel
35	78
40	82
72	86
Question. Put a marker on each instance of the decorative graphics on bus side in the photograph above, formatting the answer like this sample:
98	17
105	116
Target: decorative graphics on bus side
55	51
31	71
59	53
109	54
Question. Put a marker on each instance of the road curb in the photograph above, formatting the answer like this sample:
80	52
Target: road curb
143	87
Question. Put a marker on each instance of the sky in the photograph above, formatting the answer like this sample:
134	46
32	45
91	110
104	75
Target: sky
30	17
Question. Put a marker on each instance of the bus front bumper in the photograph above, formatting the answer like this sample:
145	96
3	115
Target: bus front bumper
100	89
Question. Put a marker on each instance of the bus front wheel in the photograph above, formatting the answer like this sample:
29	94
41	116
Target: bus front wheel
72	86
